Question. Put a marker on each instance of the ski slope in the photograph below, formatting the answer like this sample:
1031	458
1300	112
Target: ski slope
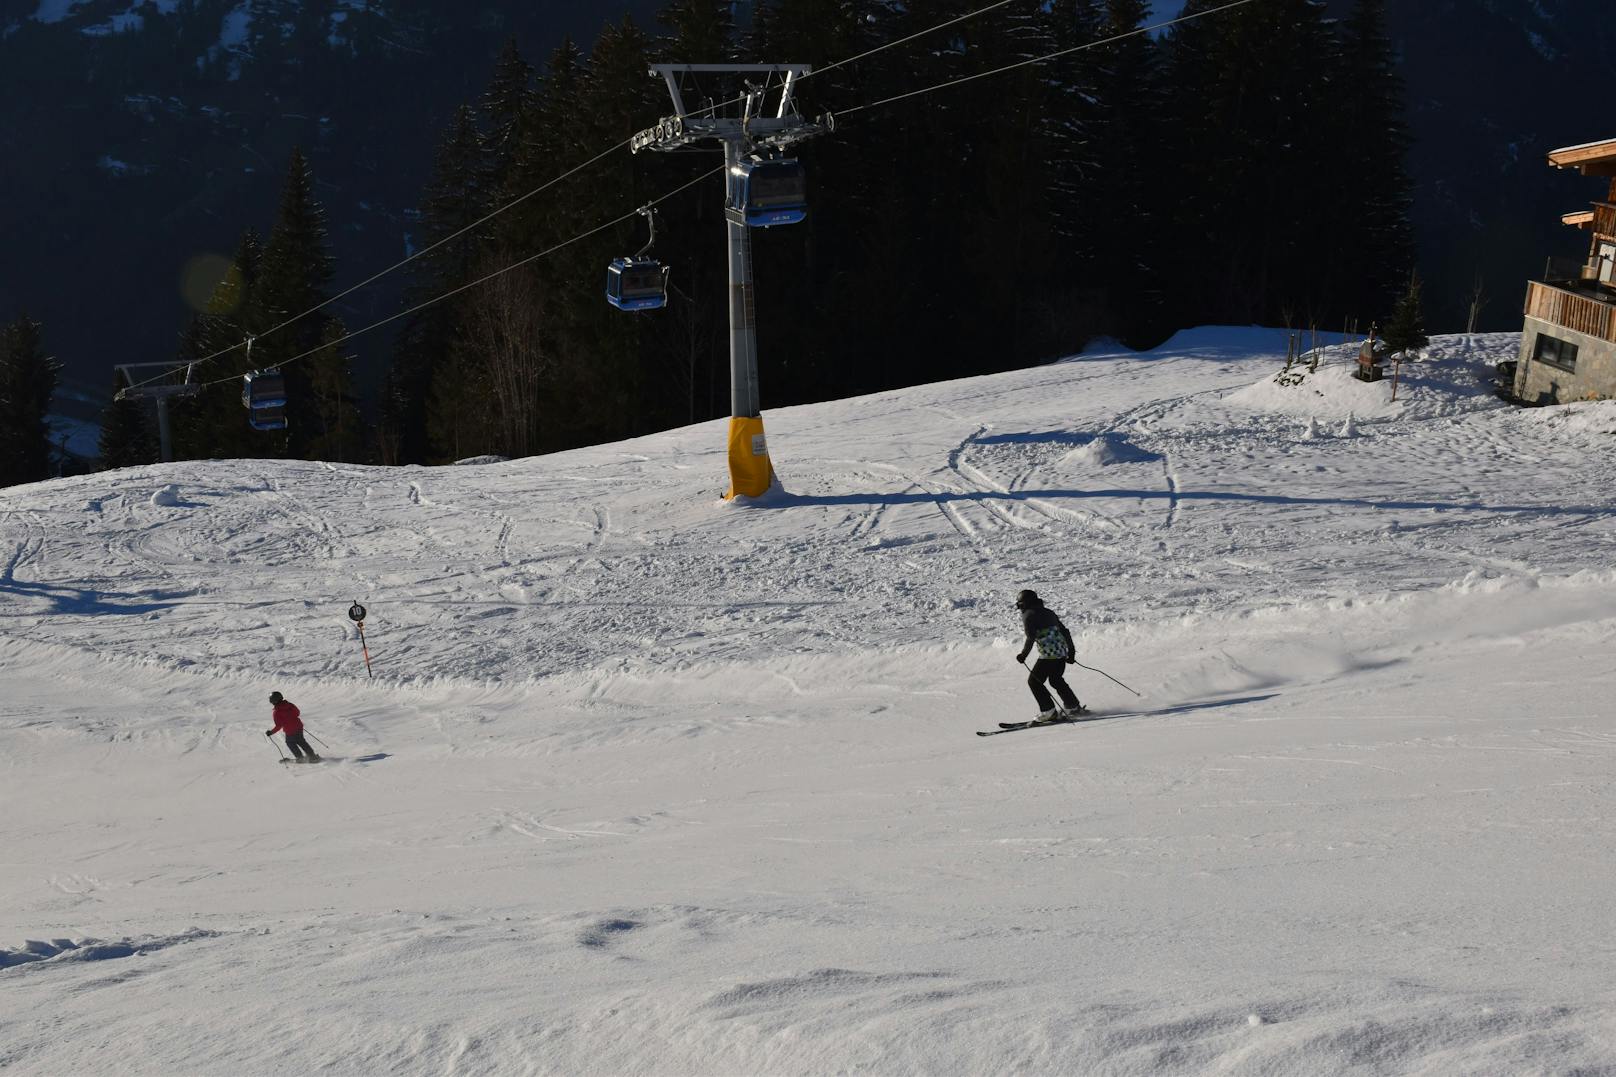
647	782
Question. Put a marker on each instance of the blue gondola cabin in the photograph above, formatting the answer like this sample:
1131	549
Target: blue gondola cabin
773	192
263	389
271	418
263	392
636	284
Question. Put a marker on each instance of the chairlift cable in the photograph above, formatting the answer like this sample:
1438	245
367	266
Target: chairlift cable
905	40
1044	59
412	257
484	279
551	183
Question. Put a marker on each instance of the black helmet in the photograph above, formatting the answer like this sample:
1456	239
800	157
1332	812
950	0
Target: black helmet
1027	599
276	697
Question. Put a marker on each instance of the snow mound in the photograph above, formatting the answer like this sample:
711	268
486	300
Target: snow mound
166	496
1589	417
1441	382
490	458
774	497
1107	449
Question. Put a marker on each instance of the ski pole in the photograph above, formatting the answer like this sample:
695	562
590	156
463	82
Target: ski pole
310	732
277	745
1104	674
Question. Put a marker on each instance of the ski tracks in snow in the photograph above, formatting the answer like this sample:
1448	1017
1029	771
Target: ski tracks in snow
29	546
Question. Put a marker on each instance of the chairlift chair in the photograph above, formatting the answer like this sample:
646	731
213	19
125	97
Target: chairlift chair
772	191
638	282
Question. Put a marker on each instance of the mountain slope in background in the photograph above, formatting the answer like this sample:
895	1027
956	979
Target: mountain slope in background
141	141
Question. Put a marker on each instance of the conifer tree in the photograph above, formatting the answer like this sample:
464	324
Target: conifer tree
454	201
700	32
607	362
858	230
1071	122
1071	142
212	425
341	433
127	435
1248	118
297	268
27	384
1127	198
506	112
1406	330
1375	141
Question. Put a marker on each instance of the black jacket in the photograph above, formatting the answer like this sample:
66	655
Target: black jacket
1036	621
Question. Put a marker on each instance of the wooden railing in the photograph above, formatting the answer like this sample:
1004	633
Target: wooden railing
1578	312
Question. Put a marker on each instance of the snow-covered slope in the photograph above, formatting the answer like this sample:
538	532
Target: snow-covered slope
651	783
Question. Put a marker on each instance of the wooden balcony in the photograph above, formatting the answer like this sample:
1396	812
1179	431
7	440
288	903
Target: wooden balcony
1604	222
1577	311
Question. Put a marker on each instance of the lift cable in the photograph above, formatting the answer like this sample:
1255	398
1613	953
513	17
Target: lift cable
904	40
539	190
1044	59
483	279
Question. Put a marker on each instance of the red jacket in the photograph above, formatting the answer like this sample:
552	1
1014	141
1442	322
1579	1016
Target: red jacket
286	718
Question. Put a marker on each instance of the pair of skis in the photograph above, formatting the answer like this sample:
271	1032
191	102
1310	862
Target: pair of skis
1083	714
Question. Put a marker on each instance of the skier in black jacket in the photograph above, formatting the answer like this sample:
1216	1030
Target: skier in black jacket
1055	649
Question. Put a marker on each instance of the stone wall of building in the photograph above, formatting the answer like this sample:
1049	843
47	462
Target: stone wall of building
1538	382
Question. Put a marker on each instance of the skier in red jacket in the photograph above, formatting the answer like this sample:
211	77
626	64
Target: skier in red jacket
286	718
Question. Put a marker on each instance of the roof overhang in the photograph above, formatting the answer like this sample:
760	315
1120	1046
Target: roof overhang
1591	158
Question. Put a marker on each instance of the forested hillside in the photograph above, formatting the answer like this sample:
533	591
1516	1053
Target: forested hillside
1277	163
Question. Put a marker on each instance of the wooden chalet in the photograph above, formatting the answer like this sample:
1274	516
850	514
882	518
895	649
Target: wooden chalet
1568	346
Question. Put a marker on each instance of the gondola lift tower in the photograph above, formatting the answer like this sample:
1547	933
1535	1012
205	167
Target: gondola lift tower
762	188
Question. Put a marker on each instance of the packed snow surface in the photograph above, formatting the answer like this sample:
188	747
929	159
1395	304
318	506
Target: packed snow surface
647	782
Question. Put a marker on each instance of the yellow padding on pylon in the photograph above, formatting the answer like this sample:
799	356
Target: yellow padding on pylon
749	470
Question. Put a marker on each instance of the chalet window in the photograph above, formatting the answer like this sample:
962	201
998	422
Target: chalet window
1555	352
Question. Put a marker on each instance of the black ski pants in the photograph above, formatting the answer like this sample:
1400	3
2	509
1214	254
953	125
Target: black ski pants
1052	670
299	746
